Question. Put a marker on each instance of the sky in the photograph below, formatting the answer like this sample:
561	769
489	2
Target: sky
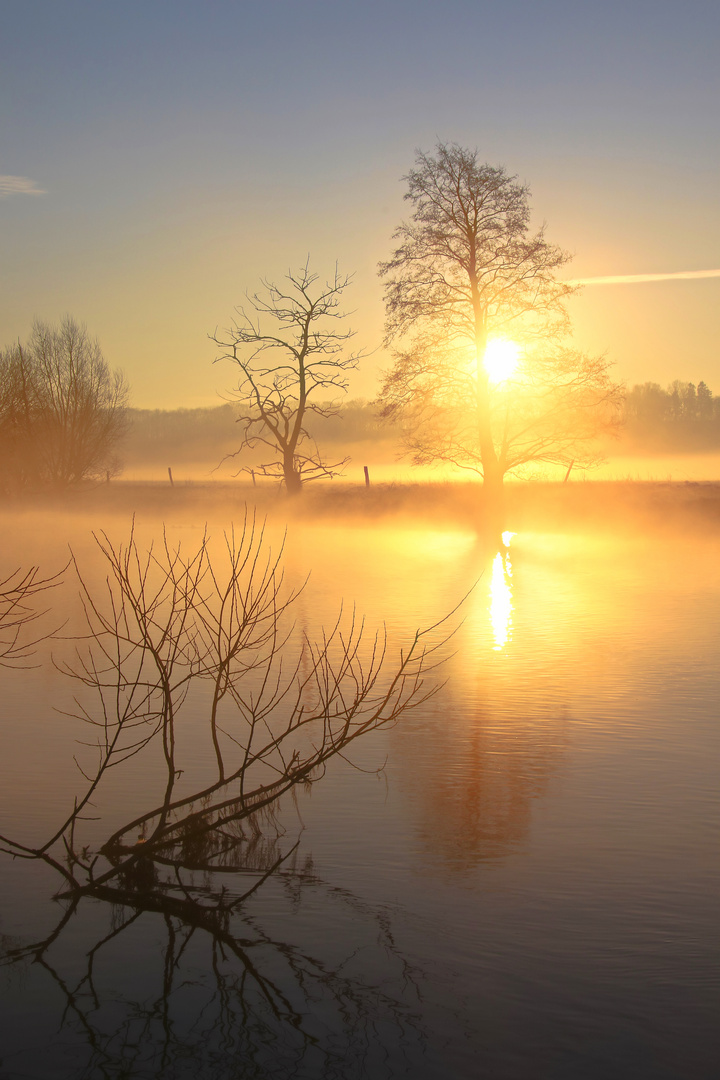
158	158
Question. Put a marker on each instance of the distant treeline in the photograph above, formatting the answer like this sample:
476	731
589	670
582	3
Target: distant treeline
180	435
208	435
685	416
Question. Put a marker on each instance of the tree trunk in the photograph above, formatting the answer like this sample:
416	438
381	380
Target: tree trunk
492	470
293	481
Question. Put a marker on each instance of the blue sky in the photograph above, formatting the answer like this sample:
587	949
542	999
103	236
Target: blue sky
186	150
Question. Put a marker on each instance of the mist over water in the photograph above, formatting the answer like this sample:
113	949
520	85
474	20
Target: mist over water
518	879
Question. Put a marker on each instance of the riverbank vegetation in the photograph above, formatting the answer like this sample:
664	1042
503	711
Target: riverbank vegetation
62	409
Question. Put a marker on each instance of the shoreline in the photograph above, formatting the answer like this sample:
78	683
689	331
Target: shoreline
597	503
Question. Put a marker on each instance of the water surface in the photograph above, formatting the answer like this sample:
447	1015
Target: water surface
518	880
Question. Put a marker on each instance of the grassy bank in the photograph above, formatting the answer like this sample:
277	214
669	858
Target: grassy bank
654	505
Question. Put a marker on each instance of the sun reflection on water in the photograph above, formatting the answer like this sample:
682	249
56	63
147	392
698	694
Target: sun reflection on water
501	606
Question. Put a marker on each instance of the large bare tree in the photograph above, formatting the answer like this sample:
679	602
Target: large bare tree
468	269
290	352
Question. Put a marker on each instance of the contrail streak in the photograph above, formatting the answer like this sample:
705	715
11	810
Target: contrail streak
631	279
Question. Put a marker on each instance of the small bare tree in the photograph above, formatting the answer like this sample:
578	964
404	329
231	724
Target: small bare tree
291	359
171	625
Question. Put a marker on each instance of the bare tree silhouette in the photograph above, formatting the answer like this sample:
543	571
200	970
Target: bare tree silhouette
467	269
289	351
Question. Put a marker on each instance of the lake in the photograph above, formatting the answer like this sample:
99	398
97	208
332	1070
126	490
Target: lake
518	879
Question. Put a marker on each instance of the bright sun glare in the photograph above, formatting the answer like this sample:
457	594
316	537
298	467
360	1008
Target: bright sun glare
501	359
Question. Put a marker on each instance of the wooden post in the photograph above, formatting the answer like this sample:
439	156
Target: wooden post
367	476
252	473
568	472
170	475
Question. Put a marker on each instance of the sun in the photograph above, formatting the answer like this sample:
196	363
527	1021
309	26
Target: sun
501	359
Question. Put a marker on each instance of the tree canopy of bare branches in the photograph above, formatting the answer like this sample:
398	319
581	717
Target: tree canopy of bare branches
17	611
291	357
62	409
553	411
467	269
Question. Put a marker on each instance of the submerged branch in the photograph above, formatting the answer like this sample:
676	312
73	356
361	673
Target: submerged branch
170	622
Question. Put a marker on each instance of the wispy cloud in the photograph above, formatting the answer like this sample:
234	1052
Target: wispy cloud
631	279
19	185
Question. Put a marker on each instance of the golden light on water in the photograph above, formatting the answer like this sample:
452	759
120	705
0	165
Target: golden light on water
501	600
501	359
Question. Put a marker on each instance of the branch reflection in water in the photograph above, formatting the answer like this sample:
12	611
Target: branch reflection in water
215	993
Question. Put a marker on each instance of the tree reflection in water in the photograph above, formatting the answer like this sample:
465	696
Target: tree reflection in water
476	778
479	757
